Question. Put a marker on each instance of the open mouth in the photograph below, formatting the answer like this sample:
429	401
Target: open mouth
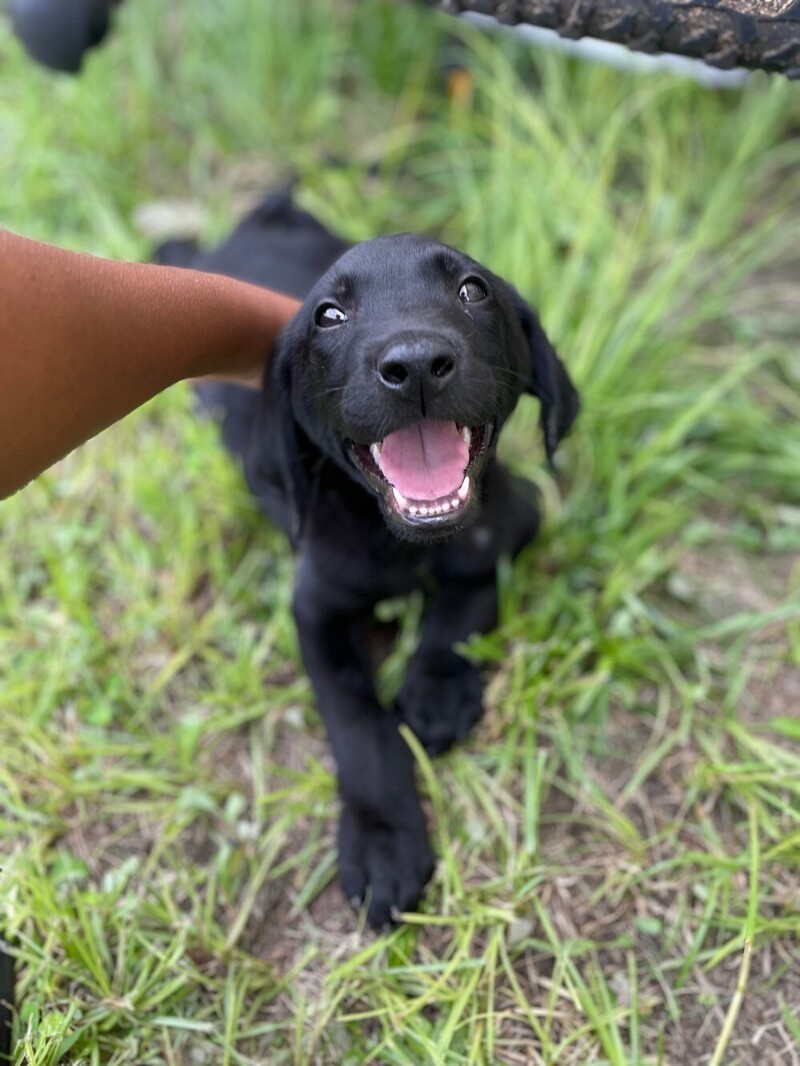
426	472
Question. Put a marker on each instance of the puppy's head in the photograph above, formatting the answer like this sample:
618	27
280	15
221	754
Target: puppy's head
403	364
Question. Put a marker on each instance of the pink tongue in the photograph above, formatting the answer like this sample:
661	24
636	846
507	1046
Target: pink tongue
425	461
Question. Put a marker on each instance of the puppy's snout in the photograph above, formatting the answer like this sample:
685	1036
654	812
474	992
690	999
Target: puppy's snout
407	367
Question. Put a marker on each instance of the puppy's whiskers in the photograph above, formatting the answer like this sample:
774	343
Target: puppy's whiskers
328	391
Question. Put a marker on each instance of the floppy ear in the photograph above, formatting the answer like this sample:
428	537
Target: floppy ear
281	444
549	381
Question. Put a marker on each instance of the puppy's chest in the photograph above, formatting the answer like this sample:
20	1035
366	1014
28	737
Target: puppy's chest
347	536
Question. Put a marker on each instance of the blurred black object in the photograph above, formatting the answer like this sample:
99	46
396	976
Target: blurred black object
6	1001
57	33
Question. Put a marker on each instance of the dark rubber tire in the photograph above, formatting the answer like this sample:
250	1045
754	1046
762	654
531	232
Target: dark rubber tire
759	34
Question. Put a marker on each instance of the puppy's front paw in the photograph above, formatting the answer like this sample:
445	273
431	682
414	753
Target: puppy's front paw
441	705
387	865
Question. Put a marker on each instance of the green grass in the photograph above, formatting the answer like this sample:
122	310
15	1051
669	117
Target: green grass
619	842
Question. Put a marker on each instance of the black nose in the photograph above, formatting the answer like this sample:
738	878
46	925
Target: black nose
406	367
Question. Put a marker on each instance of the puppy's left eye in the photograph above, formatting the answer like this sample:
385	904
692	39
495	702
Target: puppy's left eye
330	315
472	291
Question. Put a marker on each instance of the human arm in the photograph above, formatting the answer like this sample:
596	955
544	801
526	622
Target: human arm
84	341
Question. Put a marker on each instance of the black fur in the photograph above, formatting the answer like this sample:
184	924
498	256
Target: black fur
6	1003
410	349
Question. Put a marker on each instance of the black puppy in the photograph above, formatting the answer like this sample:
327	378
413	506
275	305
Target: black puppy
372	446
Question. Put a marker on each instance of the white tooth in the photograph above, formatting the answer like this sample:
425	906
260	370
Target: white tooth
375	452
466	435
463	492
412	510
454	502
423	510
445	505
402	502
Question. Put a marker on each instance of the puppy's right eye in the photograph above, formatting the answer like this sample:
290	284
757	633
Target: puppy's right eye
330	315
472	291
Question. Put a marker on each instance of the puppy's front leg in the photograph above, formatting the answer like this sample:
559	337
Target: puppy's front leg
442	694
384	853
